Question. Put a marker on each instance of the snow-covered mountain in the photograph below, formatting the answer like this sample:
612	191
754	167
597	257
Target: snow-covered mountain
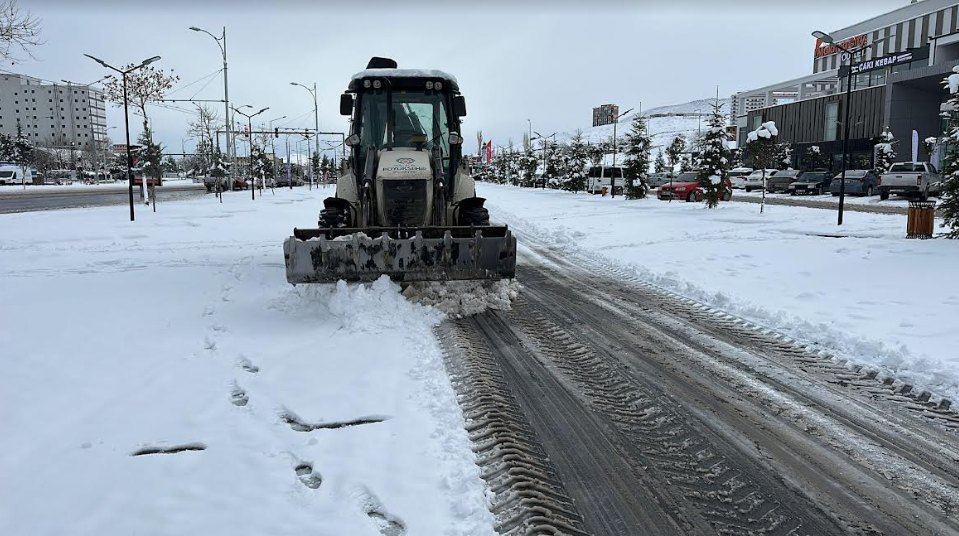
665	123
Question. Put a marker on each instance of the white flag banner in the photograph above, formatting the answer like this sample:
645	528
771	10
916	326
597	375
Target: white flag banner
915	146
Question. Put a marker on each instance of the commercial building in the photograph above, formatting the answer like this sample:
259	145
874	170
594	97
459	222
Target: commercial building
605	114
900	59
53	114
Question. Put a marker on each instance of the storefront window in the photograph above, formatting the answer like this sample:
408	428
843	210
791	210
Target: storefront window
832	119
862	81
877	77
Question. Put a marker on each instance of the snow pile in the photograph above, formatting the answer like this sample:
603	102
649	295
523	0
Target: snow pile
458	299
766	130
790	269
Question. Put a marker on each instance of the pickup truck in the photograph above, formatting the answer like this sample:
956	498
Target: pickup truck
210	183
914	179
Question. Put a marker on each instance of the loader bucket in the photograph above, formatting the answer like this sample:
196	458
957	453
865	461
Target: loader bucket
403	254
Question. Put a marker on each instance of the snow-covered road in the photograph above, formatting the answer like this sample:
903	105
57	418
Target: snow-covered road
308	410
862	291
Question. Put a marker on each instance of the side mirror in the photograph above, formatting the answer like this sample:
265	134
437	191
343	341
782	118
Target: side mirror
455	138
459	106
354	139
346	104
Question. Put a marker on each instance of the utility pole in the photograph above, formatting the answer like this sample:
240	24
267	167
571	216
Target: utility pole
316	125
249	121
230	142
612	171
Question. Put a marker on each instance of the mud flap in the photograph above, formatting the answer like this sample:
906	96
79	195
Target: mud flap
421	254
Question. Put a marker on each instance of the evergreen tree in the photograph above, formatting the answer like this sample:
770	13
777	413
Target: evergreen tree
638	147
149	155
675	151
21	153
736	158
713	164
595	152
814	159
784	156
885	154
660	165
949	197
576	175
528	163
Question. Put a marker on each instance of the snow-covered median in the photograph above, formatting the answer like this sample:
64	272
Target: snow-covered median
862	290
255	407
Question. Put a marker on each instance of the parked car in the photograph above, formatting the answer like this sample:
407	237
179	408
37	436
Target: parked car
754	181
539	182
658	179
151	181
282	181
737	177
686	187
811	182
781	180
913	179
241	183
858	182
603	176
12	174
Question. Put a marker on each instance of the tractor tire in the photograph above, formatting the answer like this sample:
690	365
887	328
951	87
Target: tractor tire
476	217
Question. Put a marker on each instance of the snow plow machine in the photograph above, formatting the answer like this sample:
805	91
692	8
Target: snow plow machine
405	204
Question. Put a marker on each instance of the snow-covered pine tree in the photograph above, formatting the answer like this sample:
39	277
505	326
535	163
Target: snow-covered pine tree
675	151
150	155
813	159
885	154
577	157
784	156
527	167
22	153
660	165
638	147
949	197
713	164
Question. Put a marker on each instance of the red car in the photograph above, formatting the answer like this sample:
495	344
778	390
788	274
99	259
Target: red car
240	183
686	187
151	181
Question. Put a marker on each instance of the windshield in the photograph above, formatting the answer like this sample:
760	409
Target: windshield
787	174
419	120
852	175
686	177
6	174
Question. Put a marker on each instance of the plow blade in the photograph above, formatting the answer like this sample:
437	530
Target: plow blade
415	254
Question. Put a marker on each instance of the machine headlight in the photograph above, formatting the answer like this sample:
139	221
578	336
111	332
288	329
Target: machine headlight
366	84
429	84
438	86
377	84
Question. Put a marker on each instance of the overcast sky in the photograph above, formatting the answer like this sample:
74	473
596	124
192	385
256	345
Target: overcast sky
550	62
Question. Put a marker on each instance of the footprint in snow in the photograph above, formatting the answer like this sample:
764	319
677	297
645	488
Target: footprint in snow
308	476
246	365
209	310
238	396
387	523
209	344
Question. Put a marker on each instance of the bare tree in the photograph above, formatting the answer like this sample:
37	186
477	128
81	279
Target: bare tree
145	85
18	31
203	129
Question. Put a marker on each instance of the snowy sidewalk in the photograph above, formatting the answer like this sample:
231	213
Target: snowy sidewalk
862	290
307	410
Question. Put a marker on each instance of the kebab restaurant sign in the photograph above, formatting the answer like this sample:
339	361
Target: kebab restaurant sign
849	44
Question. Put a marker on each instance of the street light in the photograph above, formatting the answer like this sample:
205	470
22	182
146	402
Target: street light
828	39
316	126
126	116
249	121
273	148
230	147
612	172
544	138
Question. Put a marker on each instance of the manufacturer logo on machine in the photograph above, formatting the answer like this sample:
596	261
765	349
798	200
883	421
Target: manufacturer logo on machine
405	160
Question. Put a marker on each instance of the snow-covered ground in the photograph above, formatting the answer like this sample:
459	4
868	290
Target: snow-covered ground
102	187
306	410
872	295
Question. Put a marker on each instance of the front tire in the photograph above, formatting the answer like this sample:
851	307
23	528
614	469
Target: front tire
883	195
748	189
692	197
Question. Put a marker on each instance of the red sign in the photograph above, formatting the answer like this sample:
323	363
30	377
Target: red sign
853	42
489	151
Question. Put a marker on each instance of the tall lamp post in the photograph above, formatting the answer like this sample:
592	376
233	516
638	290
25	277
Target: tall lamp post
544	138
828	39
230	147
126	116
612	172
249	123
316	125
273	148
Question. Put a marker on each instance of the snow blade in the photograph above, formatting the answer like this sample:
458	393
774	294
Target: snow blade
403	254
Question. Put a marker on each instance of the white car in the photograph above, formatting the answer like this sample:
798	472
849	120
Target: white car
754	181
737	177
10	174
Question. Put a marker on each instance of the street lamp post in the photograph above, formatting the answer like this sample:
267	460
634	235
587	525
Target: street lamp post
828	39
544	138
249	123
230	147
612	171
126	117
316	125
273	148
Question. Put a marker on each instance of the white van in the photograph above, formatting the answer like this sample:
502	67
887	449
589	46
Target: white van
602	176
13	174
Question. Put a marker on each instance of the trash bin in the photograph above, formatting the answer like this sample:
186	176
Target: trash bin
920	219
605	191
